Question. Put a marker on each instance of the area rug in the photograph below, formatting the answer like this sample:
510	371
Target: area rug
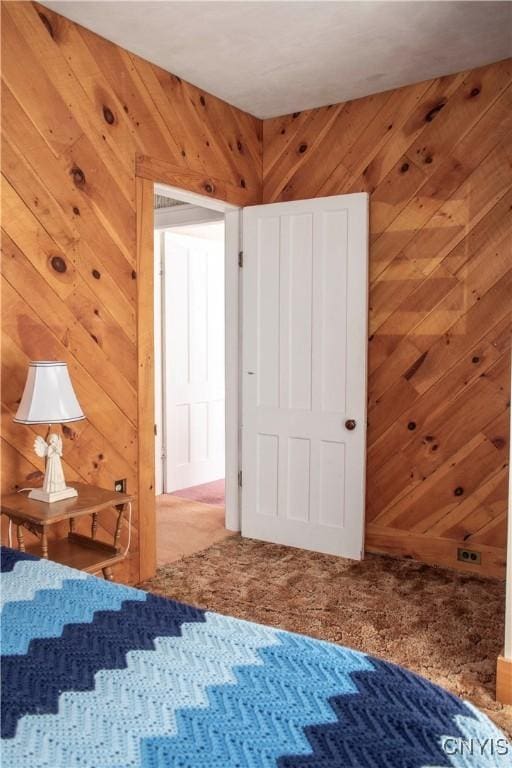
208	493
445	625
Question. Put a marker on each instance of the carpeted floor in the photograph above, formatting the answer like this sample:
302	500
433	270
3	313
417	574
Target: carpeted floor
443	624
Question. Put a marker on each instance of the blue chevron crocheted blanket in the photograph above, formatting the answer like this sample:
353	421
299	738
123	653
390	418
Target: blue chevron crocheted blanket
98	675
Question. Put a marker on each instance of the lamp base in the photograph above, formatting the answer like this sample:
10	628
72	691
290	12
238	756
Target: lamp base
39	495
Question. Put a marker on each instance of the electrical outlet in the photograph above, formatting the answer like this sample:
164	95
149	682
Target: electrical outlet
120	486
469	556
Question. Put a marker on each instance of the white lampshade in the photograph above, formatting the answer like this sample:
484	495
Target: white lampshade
48	397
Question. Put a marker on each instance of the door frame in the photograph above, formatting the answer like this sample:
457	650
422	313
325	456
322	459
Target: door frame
145	190
173	219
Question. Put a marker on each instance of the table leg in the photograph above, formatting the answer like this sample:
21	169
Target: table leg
71	524
94	525
44	543
107	573
20	537
117	535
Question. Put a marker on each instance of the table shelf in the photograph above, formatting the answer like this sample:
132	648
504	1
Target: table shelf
77	555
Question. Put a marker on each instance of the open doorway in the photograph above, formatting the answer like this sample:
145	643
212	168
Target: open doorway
190	377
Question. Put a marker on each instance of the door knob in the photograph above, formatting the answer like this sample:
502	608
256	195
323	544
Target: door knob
350	424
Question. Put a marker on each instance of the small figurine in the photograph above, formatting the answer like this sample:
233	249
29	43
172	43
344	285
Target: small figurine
54	485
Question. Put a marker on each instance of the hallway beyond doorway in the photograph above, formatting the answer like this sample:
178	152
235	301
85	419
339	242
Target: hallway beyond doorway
185	527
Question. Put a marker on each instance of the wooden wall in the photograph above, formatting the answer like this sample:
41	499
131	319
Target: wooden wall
77	111
82	117
436	159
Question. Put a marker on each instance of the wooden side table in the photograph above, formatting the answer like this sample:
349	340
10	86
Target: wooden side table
86	553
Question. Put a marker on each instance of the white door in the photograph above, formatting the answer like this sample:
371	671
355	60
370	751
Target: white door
194	359
305	306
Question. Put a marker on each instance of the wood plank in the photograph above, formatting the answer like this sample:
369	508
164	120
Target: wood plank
403	274
154	169
445	434
452	341
400	483
448	429
472	515
92	267
58	179
414	410
99	186
492	533
62	269
57	315
279	132
504	680
297	167
462	110
436	551
490	130
438	351
54	266
105	112
389	121
418	302
34	90
35	37
125	83
461	213
403	135
492	229
479	90
146	385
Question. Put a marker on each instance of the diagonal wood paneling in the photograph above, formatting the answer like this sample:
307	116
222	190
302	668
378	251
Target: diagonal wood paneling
77	111
81	116
436	158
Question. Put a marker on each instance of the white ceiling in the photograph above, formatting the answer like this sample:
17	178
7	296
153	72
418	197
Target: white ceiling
271	58
214	230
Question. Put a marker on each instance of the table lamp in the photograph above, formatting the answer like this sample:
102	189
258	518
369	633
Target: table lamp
49	398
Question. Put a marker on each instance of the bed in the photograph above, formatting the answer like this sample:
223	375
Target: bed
97	675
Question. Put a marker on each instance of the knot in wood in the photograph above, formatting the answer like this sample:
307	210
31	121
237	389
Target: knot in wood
47	24
433	112
108	115
58	264
78	176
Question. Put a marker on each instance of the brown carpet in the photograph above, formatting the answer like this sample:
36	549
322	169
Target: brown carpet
443	624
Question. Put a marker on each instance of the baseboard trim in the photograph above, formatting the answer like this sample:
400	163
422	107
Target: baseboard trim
435	551
504	680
